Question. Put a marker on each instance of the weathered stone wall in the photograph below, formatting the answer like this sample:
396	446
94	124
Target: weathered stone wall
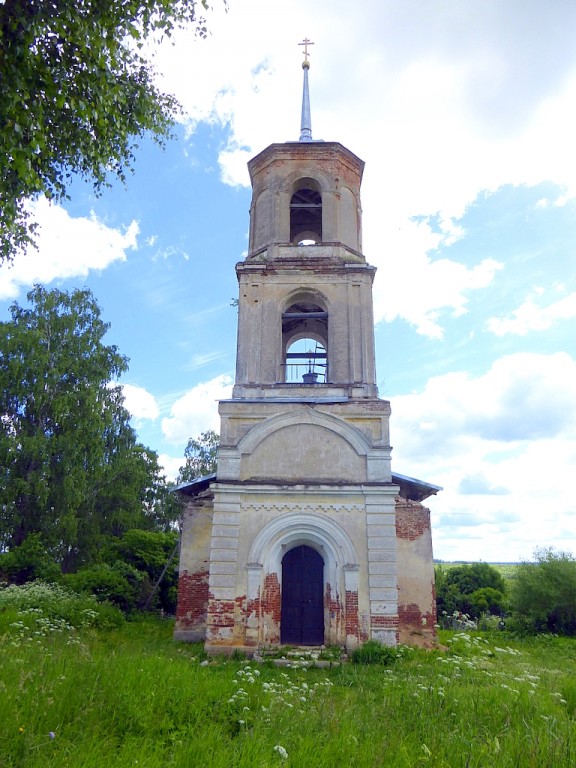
299	463
238	604
191	610
277	170
416	593
262	523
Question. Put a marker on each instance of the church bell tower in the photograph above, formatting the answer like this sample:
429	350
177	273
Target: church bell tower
296	540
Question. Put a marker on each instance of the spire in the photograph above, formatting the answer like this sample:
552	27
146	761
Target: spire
306	120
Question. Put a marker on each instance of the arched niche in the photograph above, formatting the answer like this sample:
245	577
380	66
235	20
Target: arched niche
349	219
262	219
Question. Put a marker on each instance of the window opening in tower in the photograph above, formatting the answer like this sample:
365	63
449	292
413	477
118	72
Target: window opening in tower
306	217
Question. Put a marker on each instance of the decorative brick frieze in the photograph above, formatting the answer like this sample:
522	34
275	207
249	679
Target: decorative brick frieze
283	508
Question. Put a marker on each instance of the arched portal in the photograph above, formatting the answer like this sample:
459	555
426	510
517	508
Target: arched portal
302	613
322	540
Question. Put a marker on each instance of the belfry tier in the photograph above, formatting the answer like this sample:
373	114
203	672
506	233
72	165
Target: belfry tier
305	276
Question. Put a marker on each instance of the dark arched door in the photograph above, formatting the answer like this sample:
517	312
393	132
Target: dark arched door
302	618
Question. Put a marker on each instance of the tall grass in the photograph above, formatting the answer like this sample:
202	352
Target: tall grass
130	696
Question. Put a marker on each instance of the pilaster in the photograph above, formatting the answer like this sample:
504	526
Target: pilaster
382	564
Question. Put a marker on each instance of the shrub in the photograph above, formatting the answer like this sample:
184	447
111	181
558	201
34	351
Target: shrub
463	589
488	600
56	602
544	595
149	551
373	652
28	562
120	583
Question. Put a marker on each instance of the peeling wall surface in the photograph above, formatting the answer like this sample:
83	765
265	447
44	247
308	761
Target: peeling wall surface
416	592
305	462
376	547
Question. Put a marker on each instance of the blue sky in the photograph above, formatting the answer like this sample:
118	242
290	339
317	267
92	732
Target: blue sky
465	116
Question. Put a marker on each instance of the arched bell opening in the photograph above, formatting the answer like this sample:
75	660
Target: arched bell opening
302	607
305	342
305	361
306	213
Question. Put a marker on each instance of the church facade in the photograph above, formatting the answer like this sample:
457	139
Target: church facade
305	535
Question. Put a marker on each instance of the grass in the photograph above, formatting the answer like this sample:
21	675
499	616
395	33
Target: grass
131	696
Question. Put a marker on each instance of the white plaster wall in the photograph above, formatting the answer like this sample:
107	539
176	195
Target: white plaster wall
304	451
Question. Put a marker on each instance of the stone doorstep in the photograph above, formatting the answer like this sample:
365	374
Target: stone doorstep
304	656
298	662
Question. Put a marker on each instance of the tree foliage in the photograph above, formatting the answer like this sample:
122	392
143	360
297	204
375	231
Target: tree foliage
71	469
201	456
76	94
30	561
544	594
130	567
472	589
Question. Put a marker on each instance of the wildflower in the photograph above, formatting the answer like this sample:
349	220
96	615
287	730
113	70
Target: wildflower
281	751
21	729
52	735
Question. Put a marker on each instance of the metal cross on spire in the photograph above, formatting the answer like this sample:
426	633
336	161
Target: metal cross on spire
306	121
306	43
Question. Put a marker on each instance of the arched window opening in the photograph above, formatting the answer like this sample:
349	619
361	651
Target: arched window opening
306	362
305	344
306	217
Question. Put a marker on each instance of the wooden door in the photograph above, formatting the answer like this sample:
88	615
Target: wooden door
302	618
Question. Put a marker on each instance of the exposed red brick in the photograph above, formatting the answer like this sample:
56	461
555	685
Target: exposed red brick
379	621
271	606
412	519
352	620
416	627
192	602
220	615
333	610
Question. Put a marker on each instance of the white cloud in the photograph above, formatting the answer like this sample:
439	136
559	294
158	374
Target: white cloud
501	445
139	402
522	397
67	247
479	484
418	288
531	317
442	105
171	465
197	410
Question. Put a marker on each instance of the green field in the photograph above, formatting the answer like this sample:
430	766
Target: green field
131	696
507	570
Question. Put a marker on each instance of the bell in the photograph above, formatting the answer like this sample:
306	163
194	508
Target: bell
310	377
